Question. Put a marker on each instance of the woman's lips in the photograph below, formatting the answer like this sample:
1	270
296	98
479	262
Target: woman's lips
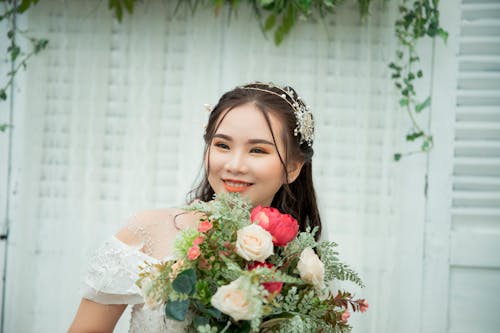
232	185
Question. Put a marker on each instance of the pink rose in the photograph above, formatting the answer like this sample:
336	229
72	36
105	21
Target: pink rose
198	240
283	227
193	252
345	315
204	226
363	305
271	287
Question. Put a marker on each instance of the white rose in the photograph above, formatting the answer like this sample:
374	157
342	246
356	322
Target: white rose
311	269
254	243
238	300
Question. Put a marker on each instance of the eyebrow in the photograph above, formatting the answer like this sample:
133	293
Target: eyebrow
251	141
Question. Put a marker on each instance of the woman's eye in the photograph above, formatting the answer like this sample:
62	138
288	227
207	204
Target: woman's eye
258	151
221	145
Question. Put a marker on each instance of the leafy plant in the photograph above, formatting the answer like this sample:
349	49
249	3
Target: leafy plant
16	56
418	19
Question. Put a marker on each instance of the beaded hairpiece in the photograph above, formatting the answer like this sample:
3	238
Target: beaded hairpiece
303	115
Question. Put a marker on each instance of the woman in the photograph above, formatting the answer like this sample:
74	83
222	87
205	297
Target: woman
258	142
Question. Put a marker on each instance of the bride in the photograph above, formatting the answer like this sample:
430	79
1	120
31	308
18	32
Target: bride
258	142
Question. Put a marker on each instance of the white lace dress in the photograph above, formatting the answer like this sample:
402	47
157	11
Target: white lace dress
111	278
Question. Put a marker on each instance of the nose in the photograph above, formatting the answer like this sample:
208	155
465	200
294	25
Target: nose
236	163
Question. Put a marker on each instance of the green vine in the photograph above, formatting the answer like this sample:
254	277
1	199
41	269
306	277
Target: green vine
17	57
418	19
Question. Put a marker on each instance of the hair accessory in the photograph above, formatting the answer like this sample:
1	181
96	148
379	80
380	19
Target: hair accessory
303	114
209	108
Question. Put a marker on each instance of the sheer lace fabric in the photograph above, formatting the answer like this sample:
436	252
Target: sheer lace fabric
114	269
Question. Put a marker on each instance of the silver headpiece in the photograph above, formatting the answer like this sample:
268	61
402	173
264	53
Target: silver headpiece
303	115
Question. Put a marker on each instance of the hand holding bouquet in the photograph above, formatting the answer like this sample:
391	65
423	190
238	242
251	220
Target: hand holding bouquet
250	270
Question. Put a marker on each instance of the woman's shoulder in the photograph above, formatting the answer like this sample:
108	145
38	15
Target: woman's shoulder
153	231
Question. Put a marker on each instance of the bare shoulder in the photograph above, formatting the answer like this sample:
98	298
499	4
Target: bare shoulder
164	221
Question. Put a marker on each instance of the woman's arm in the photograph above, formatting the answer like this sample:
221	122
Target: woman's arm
93	317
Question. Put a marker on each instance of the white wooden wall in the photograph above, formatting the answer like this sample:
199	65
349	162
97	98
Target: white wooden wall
462	233
109	121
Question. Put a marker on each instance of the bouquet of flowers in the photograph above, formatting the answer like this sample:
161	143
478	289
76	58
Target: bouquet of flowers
250	270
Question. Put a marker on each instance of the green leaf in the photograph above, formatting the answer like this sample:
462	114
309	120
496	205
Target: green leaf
443	34
423	105
25	4
177	310
200	321
210	311
185	282
403	102
129	5
264	3
40	45
414	135
270	22
427	144
278	36
397	157
3	94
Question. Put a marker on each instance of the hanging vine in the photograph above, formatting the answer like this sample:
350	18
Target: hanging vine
418	19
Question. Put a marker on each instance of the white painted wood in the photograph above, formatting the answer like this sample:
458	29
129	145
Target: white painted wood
462	264
435	286
480	250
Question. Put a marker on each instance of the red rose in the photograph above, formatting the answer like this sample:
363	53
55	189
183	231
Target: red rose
271	287
264	216
282	227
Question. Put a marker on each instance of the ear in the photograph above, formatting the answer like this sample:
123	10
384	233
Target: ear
294	168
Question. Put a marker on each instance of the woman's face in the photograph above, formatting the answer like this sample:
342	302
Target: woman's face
243	157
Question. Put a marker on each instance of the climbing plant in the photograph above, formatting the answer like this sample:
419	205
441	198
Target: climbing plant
417	19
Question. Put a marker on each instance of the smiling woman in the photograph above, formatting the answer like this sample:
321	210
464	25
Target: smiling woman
258	142
242	156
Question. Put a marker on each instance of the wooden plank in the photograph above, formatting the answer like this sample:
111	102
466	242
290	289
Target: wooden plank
475	249
435	284
474	300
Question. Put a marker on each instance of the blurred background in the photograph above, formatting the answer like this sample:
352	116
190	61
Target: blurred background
108	121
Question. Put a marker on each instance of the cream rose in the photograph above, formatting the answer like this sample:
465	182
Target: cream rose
238	300
254	243
311	269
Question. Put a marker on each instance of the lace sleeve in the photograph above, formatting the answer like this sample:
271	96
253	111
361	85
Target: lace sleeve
112	273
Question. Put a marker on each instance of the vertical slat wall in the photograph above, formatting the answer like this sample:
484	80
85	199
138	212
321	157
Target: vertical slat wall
114	120
475	223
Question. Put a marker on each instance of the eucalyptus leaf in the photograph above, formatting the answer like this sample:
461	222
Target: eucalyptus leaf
185	282
177	310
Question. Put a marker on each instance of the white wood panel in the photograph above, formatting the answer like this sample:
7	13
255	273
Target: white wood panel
474	300
435	287
464	283
474	249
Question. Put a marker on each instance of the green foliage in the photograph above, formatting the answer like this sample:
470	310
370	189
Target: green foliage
418	19
334	269
118	5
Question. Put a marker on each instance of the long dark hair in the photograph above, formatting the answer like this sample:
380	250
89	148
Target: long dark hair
297	198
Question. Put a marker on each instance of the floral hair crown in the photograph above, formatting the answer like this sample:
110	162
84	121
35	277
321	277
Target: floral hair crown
303	115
